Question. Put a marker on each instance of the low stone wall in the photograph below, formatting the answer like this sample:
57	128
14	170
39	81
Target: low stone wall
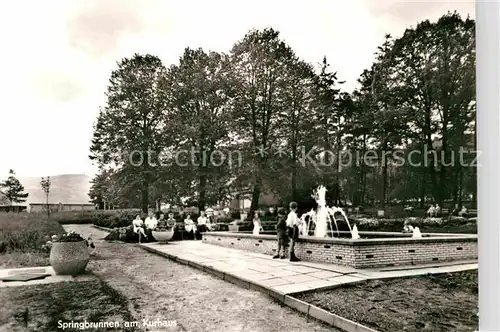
362	253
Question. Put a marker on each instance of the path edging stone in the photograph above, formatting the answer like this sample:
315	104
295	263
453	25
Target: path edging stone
301	306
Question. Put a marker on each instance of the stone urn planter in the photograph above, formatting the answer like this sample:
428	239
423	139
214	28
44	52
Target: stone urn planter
69	258
163	236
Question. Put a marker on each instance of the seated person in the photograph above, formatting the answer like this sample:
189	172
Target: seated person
211	224
190	226
437	210
171	220
139	227
463	212
431	211
202	222
150	224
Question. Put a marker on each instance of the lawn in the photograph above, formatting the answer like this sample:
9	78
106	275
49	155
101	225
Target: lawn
42	307
444	302
21	239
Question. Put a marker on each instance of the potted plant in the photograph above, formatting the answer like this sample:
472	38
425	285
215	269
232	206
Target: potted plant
163	232
69	254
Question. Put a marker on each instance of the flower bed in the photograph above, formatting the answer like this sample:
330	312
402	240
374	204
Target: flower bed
445	302
430	225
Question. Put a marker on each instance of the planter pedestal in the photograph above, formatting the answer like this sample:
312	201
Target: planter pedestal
163	236
69	258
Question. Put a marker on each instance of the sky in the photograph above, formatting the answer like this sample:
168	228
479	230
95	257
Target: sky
57	56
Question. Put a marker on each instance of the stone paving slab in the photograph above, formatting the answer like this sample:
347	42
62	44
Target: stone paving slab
38	270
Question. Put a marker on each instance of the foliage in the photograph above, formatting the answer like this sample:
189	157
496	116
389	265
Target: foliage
22	237
132	125
68	237
261	101
13	189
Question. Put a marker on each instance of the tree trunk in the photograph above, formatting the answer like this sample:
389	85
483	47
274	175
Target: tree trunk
460	186
384	179
145	196
294	170
294	183
257	188
202	192
48	207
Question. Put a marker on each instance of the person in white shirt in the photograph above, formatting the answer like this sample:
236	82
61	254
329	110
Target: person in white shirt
202	222
292	224
150	224
139	227
189	226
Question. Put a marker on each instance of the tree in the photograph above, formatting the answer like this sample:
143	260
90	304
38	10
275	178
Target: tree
260	63
435	65
106	190
200	107
14	190
132	127
45	183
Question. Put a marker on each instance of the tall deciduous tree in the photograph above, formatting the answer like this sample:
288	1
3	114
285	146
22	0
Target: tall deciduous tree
200	104
435	65
13	189
260	63
133	125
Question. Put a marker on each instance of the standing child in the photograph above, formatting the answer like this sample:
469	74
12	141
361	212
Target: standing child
281	233
292	224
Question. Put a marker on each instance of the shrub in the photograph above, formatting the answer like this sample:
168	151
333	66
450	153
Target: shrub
26	232
224	219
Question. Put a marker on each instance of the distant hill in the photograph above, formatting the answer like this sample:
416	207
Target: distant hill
65	188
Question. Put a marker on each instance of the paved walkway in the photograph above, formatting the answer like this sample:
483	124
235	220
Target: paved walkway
282	276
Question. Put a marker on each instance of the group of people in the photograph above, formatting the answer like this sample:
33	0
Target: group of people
145	228
435	211
287	232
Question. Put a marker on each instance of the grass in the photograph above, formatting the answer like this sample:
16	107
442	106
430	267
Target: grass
43	307
22	237
445	302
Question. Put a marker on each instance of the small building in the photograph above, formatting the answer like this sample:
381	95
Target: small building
243	201
60	207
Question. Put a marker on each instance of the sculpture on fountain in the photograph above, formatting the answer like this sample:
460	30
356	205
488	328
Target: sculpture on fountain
324	217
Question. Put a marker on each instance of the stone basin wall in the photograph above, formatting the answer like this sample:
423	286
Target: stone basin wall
397	249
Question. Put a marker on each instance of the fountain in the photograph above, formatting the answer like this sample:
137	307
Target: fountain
355	233
324	215
362	250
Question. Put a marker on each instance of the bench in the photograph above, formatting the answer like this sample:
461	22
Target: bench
180	230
